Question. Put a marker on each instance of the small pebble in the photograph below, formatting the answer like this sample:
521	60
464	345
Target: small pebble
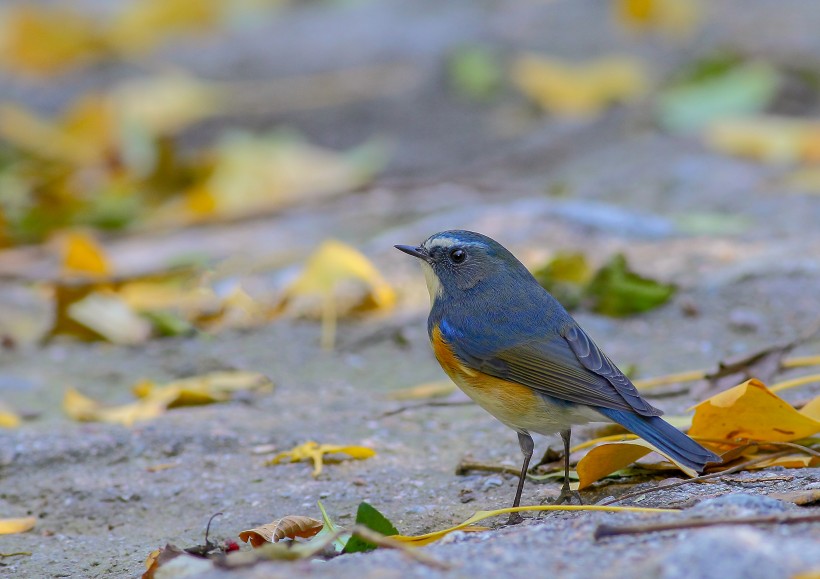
493	481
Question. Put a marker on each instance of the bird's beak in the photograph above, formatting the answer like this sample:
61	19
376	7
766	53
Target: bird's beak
414	251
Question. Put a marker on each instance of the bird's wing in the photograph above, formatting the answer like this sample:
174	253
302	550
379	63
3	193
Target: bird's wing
568	366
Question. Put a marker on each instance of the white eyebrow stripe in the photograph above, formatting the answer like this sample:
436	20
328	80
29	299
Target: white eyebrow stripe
448	242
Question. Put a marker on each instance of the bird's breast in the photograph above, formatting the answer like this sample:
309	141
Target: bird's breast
515	405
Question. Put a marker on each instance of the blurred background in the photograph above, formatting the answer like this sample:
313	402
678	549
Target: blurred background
168	167
196	194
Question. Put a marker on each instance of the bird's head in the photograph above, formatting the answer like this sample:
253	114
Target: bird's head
459	261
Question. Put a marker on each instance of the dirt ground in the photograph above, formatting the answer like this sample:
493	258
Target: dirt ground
100	509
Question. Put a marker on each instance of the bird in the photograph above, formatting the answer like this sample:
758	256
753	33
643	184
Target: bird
516	352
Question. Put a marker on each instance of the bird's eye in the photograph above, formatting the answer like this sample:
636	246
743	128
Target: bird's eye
458	255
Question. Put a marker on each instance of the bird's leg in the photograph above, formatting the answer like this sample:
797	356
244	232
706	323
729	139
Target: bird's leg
567	495
527	445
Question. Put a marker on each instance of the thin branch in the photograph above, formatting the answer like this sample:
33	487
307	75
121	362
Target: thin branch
611	531
435	403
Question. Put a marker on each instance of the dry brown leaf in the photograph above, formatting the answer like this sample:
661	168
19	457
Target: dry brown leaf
290	527
579	89
316	452
14	526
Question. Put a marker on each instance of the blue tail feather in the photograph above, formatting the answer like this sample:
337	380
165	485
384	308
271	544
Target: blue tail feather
664	436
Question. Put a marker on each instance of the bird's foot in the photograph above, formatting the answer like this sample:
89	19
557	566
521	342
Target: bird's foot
514	519
567	497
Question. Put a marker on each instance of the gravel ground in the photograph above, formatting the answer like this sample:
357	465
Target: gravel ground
100	508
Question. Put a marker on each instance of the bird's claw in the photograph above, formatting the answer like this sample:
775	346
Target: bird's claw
567	496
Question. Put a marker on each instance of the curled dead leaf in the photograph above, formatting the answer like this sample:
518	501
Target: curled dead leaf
290	527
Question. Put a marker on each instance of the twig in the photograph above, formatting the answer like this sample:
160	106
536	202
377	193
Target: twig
427	404
465	466
611	531
704	477
17	554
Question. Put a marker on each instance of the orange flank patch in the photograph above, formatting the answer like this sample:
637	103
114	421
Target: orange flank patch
510	402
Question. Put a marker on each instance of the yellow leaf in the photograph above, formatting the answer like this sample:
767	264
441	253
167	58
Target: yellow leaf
750	411
812	409
427	538
579	90
46	40
426	390
337	281
83	255
164	105
144	24
676	18
770	139
21	525
289	527
612	456
790	461
315	452
154	400
8	418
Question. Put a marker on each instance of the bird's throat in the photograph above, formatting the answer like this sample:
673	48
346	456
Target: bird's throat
433	283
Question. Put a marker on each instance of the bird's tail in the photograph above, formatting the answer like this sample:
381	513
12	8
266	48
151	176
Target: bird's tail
663	436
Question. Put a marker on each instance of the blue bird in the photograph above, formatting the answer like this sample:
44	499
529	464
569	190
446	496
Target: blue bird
512	348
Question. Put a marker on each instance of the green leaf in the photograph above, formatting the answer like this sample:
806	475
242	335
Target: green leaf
371	518
618	291
330	528
739	90
475	73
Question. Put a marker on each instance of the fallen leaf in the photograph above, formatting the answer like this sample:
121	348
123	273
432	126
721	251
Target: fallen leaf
8	418
154	400
46	39
613	456
674	18
171	562
812	409
789	461
426	390
107	315
82	255
337	281
13	526
566	276
316	452
579	89
290	527
767	138
616	290
371	518
475	73
750	411
743	90
340	540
